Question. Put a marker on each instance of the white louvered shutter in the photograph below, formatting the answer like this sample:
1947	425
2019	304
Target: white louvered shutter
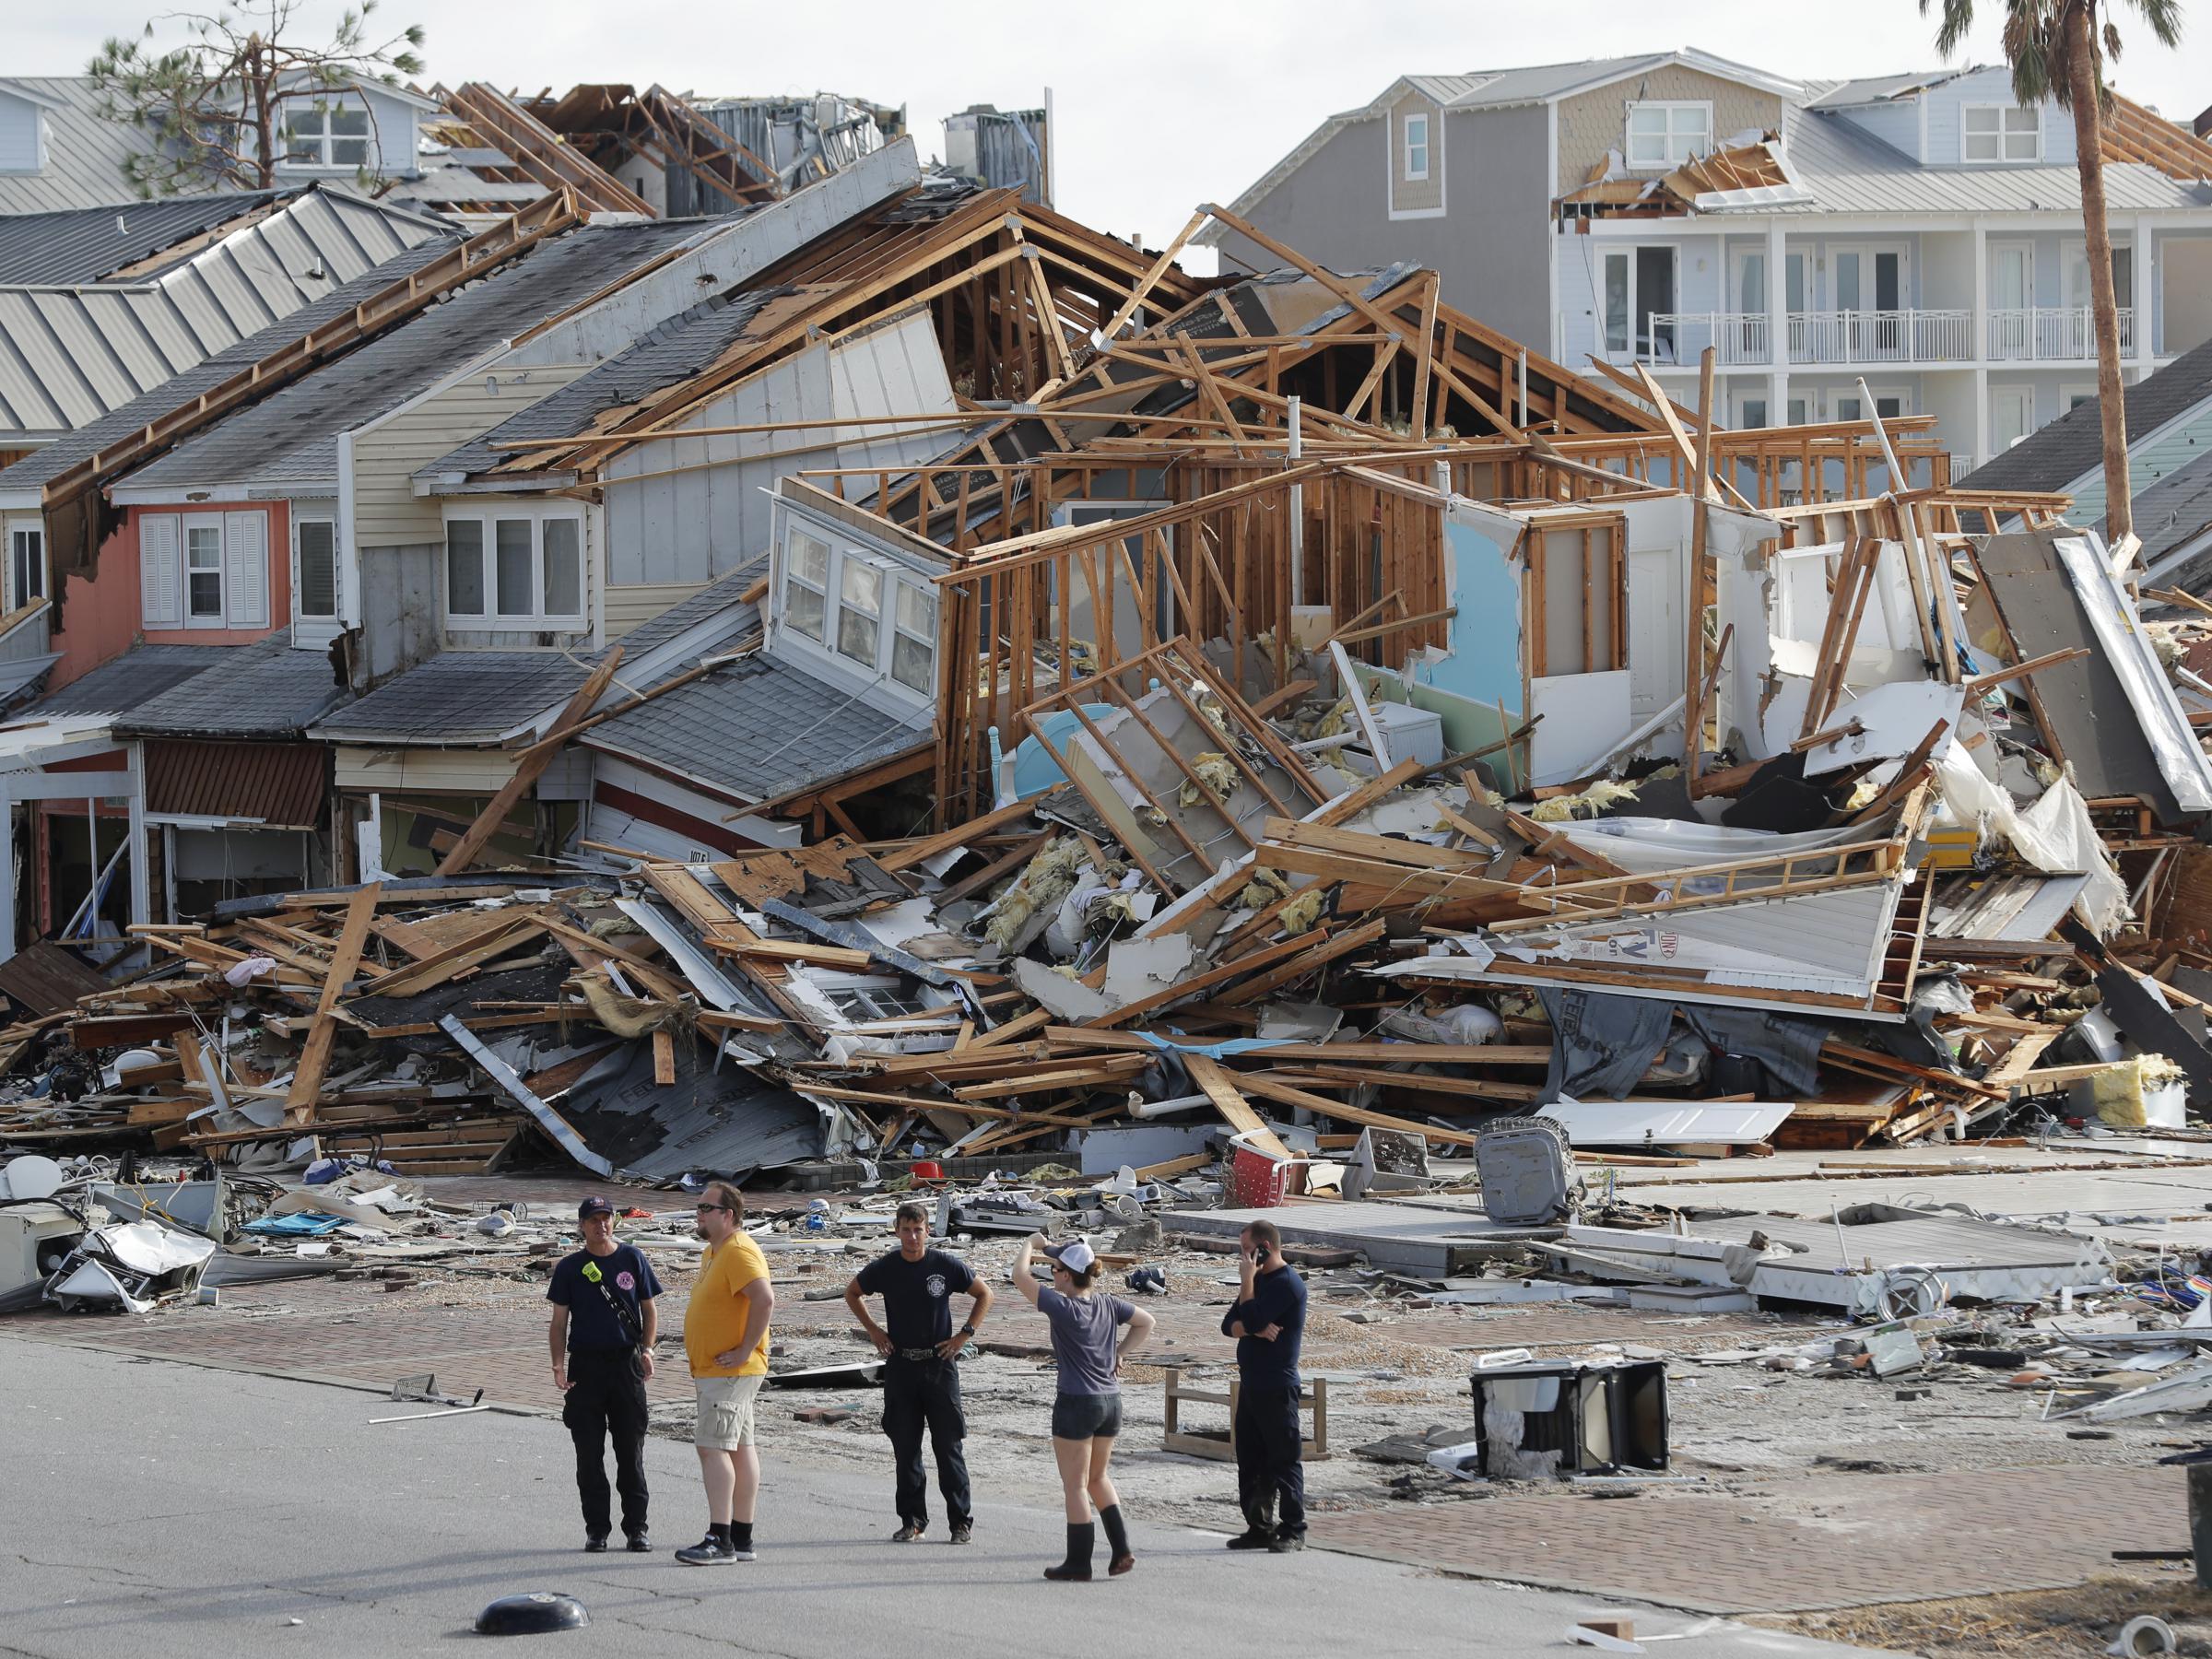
160	604
246	570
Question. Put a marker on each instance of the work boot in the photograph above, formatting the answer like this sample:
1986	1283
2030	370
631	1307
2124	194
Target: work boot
638	1543
962	1533
909	1531
1253	1537
712	1550
594	1542
1286	1542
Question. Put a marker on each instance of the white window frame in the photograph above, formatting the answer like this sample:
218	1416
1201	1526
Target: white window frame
311	152
2071	396
1414	175
900	587
536	619
337	572
201	522
19	537
2004	130
1901	395
1679	143
845	551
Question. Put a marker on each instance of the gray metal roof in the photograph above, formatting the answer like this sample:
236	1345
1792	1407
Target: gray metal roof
84	154
671	352
71	354
1850	170
264	690
88	244
64	453
757	730
2053	456
1878	89
292	436
461	697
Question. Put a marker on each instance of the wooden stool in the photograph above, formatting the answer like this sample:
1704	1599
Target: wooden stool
1222	1446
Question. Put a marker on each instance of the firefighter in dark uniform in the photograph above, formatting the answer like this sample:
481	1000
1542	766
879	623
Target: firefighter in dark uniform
920	1374
602	1335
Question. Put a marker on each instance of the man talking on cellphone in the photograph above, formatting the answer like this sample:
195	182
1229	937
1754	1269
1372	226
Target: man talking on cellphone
1269	1319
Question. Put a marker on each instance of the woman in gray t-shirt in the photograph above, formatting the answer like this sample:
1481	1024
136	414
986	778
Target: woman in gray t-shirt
1087	1413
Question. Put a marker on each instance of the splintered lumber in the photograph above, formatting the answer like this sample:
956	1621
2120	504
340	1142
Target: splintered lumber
315	1059
928	847
664	1059
1283	1094
529	767
1235	1110
1305	963
497	940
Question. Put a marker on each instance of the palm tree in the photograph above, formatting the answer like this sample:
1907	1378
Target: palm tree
2057	49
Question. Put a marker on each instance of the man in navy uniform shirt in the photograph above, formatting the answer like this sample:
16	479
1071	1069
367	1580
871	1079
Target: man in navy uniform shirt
920	1377
1269	1319
601	1337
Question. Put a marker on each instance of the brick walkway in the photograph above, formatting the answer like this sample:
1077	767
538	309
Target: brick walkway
1816	1542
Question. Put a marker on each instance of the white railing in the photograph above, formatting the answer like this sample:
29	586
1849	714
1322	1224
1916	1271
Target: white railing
1882	336
1682	336
2051	334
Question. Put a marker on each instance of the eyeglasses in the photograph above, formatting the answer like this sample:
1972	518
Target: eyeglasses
703	1208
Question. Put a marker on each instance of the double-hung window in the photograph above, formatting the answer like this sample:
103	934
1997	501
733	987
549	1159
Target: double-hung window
1667	134
203	574
1416	147
26	566
859	611
517	572
914	639
329	134
203	570
2000	133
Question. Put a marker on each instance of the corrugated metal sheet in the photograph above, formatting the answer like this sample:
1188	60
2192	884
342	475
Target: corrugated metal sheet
72	354
92	244
709	1123
281	783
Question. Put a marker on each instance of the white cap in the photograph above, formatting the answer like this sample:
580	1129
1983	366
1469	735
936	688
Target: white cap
1075	1255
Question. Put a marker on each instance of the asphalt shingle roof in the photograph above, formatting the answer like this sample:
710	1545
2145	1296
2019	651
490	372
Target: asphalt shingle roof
459	696
2174	511
2053	456
264	690
671	352
715	596
92	242
292	436
759	730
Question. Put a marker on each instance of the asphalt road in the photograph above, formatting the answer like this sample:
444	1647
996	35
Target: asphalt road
155	1508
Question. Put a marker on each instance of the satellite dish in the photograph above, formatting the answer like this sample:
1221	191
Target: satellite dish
30	1176
532	1615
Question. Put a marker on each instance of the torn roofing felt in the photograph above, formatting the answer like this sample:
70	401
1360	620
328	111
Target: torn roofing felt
707	1122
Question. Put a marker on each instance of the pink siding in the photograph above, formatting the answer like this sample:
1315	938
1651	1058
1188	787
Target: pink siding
100	618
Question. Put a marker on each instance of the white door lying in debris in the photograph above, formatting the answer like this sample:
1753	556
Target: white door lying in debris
1656	637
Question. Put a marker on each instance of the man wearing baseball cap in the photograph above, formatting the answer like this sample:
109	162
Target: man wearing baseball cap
601	1337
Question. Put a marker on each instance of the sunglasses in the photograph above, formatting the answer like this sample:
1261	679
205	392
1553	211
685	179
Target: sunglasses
703	1207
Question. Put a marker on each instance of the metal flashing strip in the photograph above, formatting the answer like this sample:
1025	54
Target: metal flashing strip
504	1075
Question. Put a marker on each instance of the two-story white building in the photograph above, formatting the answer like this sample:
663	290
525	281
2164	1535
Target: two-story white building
1922	233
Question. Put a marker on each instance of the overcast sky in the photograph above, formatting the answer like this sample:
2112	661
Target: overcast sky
1149	122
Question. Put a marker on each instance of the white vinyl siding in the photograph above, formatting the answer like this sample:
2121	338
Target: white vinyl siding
515	569
1667	134
2000	133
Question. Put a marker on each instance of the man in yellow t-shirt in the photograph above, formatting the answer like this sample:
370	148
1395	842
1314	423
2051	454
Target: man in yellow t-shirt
726	1335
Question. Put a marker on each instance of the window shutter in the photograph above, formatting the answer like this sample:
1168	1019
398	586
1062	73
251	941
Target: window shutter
246	569
160	604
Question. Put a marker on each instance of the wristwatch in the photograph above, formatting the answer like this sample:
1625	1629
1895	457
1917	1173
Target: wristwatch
968	1330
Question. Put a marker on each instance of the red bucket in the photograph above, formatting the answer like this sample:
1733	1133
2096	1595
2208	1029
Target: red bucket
928	1170
1256	1180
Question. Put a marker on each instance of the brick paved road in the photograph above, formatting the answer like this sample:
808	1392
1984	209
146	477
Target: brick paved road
1797	1546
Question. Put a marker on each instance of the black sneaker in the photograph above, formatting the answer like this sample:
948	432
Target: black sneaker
1252	1539
909	1531
637	1543
962	1533
1286	1542
710	1551
594	1542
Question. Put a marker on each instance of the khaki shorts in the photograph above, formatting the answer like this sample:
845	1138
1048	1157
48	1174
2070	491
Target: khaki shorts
726	1411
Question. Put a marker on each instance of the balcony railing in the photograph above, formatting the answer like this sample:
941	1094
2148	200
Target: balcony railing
1682	336
1882	336
2051	334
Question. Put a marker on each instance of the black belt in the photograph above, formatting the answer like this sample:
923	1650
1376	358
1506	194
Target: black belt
916	1354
